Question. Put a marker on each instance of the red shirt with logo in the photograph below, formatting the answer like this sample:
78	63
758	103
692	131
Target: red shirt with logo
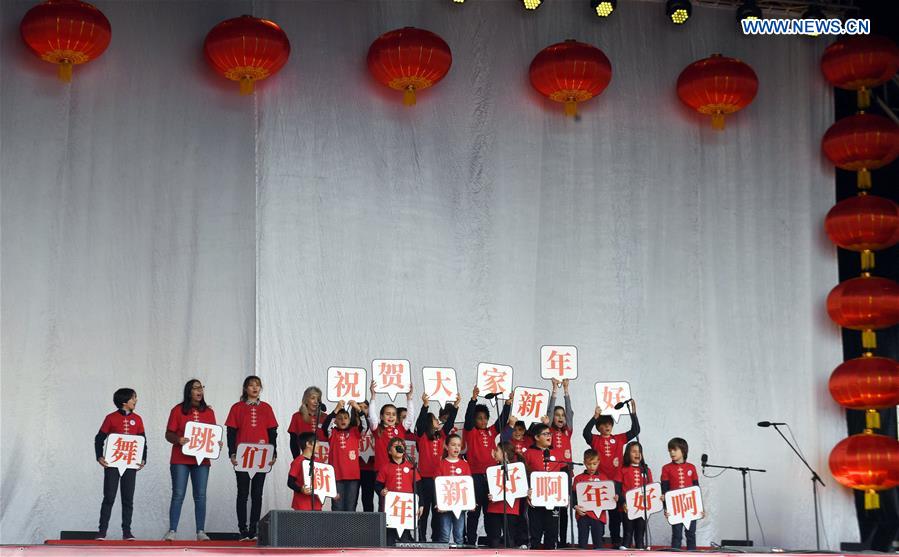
611	451
298	425
301	501
597	477
430	453
176	424
562	440
522	445
458	468
252	421
479	445
535	460
632	478
383	434
344	453
397	477
123	424
679	476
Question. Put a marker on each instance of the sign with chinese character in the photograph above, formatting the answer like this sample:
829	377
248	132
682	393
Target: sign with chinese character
325	482
411	449
253	458
322	450
203	440
608	394
391	377
549	489
346	384
558	362
529	404
684	505
454	494
494	379
596	496
367	447
516	482
637	503
400	511
440	384
124	451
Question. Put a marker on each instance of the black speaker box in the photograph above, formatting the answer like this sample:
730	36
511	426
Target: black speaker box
322	529
78	535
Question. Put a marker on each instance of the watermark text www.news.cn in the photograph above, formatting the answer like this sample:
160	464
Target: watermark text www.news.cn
806	26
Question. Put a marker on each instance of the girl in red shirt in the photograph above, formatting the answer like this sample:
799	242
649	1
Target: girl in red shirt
560	426
304	419
452	465
634	473
343	455
385	425
399	475
493	518
250	421
297	481
430	436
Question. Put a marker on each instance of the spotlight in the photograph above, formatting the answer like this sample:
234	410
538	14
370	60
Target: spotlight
459	1
678	10
603	8
748	10
532	4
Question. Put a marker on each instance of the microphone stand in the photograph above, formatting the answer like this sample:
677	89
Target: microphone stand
744	471
570	472
505	503
815	481
318	412
414	463
644	473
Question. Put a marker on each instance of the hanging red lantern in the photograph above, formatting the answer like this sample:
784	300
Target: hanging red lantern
717	86
861	143
867	462
247	49
409	60
865	304
859	62
866	383
65	33
864	223
570	72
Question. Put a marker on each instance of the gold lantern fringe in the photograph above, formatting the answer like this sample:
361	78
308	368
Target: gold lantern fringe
64	71
869	339
863	97
409	96
570	108
718	121
246	85
872	500
867	260
863	179
872	419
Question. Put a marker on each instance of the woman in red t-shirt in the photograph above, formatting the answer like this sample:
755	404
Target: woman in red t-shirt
304	419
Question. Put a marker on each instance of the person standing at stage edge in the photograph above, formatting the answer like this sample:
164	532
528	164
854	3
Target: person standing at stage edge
250	421
192	409
123	422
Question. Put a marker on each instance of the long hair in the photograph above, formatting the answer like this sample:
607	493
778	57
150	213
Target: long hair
185	403
307	394
246	383
433	433
509	450
627	454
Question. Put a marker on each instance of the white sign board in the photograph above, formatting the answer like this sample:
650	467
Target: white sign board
558	362
346	384
253	458
203	441
324	480
637	503
610	393
549	489
124	451
495	379
367	446
529	404
684	505
400	509
391	377
440	384
516	482
455	494
596	496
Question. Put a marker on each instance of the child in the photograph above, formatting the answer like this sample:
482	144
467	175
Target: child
367	472
679	474
493	518
345	440
516	433
123	422
397	475
298	481
560	426
250	421
430	437
587	522
384	429
610	448
452	465
480	440
632	476
544	523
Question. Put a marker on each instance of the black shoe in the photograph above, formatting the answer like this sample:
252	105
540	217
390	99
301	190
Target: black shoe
101	535
244	536
127	535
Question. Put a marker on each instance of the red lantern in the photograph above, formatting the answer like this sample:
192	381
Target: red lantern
409	60
865	304
717	85
866	383
860	62
247	49
66	32
570	72
867	462
862	142
864	223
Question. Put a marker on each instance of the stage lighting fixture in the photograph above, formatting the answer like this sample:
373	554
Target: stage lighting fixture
459	1
748	10
603	8
678	10
532	4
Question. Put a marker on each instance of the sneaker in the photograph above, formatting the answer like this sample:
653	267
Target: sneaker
244	536
252	536
169	537
101	535
201	536
622	547
127	535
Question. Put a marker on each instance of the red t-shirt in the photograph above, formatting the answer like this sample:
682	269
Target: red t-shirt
252	422
632	478
496	507
479	445
562	441
344	453
176	424
534	460
679	476
458	468
301	501
597	477
383	434
116	422
611	451
299	425
522	445
397	477
429	454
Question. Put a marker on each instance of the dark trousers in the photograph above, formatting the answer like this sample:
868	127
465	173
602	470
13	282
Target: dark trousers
427	499
480	497
392	538
249	489
588	527
616	518
634	531
493	524
348	492
544	525
677	531
111	482
367	483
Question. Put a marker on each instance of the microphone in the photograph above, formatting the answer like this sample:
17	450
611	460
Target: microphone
545	456
769	424
621	404
491	396
322	407
704	460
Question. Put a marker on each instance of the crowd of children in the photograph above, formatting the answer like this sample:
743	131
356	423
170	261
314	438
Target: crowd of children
440	451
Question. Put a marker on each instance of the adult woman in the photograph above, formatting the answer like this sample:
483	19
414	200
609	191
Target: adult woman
304	420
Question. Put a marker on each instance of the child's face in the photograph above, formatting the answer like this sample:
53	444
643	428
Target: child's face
518	432
388	416
342	420
402	415
605	429
480	420
454	447
253	390
636	455
497	454
544	439
676	454
130	404
591	464
396	452
435	423
364	407
559	418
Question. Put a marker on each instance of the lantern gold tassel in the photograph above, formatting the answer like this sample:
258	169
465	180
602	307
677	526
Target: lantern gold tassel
872	419
863	180
867	260
869	339
246	85
65	71
872	500
409	96
863	96
718	121
571	108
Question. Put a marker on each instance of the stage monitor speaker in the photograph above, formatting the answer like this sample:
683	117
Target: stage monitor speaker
737	543
322	529
78	534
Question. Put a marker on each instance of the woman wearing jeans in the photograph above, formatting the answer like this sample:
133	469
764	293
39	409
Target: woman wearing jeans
192	409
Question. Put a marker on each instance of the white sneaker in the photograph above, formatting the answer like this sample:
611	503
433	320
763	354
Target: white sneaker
169	537
623	547
201	536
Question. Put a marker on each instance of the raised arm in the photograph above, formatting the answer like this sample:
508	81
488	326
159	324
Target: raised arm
635	423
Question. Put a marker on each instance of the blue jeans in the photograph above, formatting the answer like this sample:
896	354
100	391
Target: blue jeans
449	523
199	475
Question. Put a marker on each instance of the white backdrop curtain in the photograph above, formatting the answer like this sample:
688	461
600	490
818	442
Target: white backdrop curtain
157	226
